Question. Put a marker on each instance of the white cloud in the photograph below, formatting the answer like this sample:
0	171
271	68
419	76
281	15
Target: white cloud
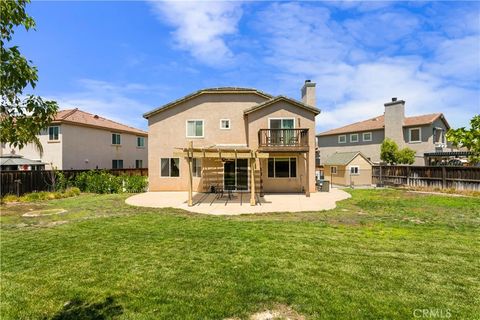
432	72
201	27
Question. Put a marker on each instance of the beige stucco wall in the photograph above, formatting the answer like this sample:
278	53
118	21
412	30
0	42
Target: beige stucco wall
343	176
303	119
81	143
167	130
78	143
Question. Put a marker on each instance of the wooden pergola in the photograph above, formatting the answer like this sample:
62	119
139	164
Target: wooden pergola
220	152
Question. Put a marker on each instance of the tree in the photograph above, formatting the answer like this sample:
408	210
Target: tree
388	151
469	139
22	116
405	156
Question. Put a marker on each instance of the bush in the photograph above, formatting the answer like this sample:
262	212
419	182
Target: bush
405	156
389	150
134	184
41	196
104	182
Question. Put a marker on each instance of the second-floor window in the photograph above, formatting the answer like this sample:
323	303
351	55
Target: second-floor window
367	136
116	139
117	164
225	124
140	142
354	137
53	133
414	134
195	128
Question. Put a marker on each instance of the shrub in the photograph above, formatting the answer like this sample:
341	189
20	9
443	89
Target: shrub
388	152
405	156
134	184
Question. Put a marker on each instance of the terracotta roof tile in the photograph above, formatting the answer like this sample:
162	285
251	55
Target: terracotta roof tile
76	116
378	123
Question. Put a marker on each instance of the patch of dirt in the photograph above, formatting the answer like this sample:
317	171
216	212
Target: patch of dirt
41	213
280	312
417	221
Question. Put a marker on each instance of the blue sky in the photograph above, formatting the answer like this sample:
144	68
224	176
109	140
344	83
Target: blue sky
120	59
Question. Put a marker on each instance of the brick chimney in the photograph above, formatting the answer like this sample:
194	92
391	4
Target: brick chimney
394	120
308	93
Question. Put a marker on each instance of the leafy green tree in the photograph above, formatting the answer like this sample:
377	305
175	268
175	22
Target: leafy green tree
22	116
405	156
468	138
388	151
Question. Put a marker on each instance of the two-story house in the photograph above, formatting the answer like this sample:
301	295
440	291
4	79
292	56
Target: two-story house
237	139
423	134
80	140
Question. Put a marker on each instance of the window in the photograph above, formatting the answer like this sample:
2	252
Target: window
194	128
367	136
333	170
140	142
354	137
354	170
169	167
282	123
197	167
414	134
116	138
438	135
225	124
342	138
117	164
282	167
138	164
53	133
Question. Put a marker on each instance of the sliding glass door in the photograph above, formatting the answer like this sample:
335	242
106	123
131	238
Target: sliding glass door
235	174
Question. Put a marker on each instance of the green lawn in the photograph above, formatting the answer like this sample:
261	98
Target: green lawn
379	255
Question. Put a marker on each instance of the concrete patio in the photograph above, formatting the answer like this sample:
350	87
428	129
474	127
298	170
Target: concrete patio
239	203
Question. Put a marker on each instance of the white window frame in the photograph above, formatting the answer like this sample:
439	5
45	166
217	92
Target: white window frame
142	138
120	139
354	135
203	129
197	163
170	168
229	124
289	168
363	136
58	133
342	135
283	118
331	170
354	174
419	135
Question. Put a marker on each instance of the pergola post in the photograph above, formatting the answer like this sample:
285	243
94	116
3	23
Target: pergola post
307	178
190	174
252	182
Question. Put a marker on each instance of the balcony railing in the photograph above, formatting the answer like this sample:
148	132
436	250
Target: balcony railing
283	140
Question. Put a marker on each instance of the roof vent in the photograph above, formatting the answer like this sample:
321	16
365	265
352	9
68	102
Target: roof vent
394	99
95	116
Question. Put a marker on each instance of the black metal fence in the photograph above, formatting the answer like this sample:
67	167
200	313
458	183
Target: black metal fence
20	182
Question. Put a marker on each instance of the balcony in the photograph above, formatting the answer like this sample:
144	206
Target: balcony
283	140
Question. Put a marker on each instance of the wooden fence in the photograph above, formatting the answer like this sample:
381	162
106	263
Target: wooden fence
458	178
20	182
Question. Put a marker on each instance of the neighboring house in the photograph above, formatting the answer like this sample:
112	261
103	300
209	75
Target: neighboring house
348	169
80	140
221	134
17	162
423	134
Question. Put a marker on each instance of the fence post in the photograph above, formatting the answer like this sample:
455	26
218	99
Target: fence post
408	176
444	177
